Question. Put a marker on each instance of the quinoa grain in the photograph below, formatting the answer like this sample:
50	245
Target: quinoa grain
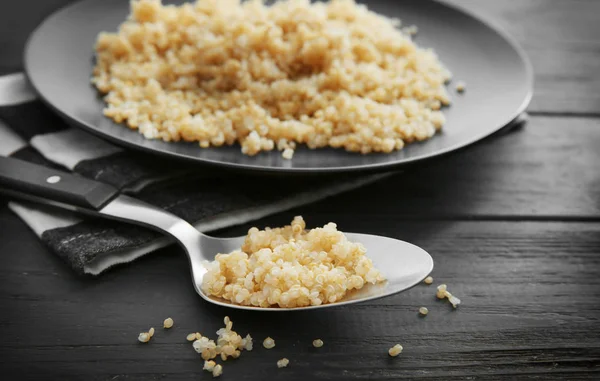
395	350
228	344
442	292
144	337
217	370
288	153
209	365
269	343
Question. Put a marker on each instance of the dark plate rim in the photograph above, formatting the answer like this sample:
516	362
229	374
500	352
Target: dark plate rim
259	168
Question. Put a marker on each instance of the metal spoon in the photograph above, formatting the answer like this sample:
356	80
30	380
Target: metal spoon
403	264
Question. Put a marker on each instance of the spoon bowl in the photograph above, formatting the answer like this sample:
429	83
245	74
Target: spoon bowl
402	264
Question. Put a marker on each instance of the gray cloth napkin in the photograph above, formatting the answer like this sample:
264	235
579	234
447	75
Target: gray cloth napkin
208	198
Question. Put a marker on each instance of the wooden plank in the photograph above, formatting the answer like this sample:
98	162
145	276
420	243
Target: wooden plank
545	170
530	310
548	169
562	40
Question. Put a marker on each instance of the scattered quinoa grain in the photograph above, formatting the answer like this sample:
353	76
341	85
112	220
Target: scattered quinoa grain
461	87
198	336
209	365
269	343
318	343
442	292
395	350
206	347
228	343
320	74
423	311
283	363
228	323
217	370
191	337
144	337
428	280
247	342
168	323
454	301
151	332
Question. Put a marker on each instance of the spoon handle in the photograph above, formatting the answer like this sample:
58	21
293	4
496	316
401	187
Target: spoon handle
36	181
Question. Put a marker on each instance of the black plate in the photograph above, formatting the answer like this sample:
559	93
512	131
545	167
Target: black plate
59	59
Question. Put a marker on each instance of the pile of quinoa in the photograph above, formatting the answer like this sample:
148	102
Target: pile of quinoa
219	72
290	267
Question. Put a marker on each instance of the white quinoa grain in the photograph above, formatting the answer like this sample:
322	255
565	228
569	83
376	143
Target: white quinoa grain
144	337
269	343
168	323
461	87
423	311
320	74
209	365
441	291
283	363
217	370
191	337
288	153
318	343
428	280
151	332
247	342
227	322
228	343
198	336
454	301
395	350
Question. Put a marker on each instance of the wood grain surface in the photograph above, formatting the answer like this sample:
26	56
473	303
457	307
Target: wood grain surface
513	224
562	40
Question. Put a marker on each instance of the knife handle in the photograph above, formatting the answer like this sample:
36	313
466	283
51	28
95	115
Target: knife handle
31	180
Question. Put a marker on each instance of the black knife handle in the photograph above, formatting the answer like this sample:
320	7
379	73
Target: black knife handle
39	181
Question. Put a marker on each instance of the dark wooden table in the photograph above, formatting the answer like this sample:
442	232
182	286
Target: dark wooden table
513	224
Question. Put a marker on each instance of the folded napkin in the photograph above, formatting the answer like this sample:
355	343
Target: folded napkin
209	198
